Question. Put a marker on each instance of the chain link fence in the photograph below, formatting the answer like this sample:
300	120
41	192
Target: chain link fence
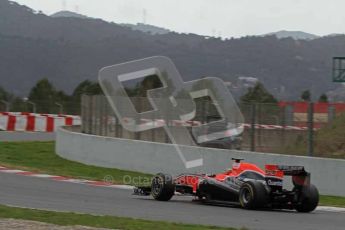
268	127
69	107
276	128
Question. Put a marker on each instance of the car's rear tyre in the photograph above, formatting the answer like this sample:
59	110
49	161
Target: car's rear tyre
253	195
162	187
309	199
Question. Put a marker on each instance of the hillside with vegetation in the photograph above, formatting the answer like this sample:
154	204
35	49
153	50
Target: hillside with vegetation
69	50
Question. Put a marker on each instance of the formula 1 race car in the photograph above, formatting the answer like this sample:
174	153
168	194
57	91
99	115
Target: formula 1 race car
244	184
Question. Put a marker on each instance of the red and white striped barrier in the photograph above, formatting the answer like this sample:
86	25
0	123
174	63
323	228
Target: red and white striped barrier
197	123
32	122
160	122
275	127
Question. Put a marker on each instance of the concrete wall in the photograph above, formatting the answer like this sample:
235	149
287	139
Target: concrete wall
327	174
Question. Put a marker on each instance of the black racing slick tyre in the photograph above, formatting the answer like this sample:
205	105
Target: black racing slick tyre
162	187
253	195
309	199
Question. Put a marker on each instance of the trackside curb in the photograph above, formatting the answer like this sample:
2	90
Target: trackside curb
65	179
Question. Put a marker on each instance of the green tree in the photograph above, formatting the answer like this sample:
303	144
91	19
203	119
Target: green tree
4	95
4	99
43	90
258	94
64	100
323	98
306	95
46	97
86	87
18	105
15	103
149	82
138	92
61	96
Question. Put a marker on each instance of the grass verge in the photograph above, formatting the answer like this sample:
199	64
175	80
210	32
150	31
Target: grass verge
111	222
40	157
336	201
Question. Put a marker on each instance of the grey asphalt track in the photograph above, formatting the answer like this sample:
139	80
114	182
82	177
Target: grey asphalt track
26	136
43	193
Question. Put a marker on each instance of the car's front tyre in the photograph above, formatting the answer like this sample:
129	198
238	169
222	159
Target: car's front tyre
162	187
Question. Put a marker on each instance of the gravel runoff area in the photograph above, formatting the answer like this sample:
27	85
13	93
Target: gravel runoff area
16	224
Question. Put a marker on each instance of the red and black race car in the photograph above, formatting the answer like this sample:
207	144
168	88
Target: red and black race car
245	184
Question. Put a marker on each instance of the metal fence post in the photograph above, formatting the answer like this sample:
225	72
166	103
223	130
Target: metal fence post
258	117
331	113
106	116
92	115
252	127
89	115
167	123
138	102
83	113
283	124
100	115
289	115
153	130
118	125
310	129
203	112
7	105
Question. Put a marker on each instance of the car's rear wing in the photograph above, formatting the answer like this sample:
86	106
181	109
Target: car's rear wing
292	170
300	177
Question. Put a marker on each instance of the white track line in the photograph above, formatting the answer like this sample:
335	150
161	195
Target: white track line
330	209
14	171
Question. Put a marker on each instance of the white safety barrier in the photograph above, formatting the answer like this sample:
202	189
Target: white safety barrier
143	156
